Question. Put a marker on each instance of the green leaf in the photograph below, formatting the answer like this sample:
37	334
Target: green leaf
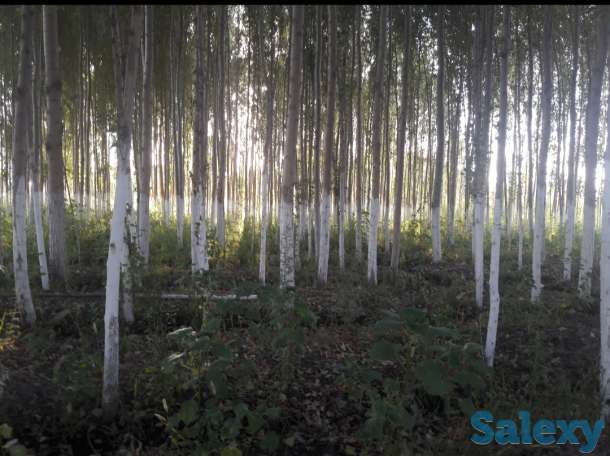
466	378
230	451
273	412
6	432
389	324
466	406
439	331
188	411
430	373
384	351
255	422
373	427
270	441
222	351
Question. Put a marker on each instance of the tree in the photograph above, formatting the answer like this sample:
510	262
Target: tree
267	153
440	141
55	159
496	236
400	140
219	124
547	96
199	252
376	145
358	233
481	107
596	74
324	242
124	53
21	129
35	120
290	154
146	157
572	170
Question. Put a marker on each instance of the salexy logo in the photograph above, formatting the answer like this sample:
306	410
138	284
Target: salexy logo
542	432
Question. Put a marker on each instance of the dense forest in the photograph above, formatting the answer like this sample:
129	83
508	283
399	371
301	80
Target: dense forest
321	229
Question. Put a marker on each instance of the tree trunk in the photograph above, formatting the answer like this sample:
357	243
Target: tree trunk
125	76
290	154
359	142
22	100
146	154
547	96
496	237
55	159
222	140
440	143
591	134
572	169
400	142
200	150
35	118
376	145
323	252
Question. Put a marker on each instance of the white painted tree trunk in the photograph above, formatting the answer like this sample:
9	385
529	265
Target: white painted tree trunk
124	74
436	234
478	238
605	286
262	262
372	245
591	135
324	238
496	236
547	94
40	244
20	148
199	235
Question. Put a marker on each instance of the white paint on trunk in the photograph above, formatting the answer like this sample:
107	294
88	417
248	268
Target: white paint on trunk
372	250
198	233
494	276
436	234
286	245
478	238
605	291
538	242
586	251
323	254
144	226
116	249
42	255
20	253
262	262
569	243
180	219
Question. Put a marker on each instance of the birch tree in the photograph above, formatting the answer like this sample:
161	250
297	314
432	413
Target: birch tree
324	246
54	141
200	149
124	53
22	101
440	141
400	141
547	96
591	133
290	154
376	145
146	154
496	236
572	170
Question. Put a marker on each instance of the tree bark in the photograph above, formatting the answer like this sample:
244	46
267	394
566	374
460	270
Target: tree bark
496	237
290	154
124	60
547	96
376	145
400	141
591	134
440	143
22	101
55	159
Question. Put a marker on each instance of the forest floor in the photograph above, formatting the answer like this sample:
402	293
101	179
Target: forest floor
345	369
